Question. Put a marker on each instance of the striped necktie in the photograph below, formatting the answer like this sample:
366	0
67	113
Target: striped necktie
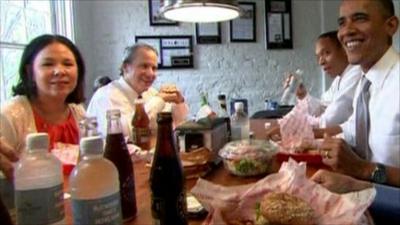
363	121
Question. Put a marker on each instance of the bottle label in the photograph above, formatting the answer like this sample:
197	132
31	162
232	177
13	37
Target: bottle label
40	206
106	210
141	137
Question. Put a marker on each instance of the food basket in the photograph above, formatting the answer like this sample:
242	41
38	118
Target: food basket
248	157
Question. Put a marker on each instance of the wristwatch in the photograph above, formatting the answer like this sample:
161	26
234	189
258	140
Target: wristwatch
379	174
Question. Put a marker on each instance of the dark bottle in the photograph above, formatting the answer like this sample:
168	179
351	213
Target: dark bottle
141	126
117	152
224	113
167	181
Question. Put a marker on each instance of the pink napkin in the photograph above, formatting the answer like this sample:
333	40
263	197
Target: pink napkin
239	202
67	153
296	129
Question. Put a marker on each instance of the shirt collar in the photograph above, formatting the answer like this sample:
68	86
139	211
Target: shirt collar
127	88
378	72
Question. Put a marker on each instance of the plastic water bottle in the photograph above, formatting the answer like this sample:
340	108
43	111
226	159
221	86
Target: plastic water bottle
94	186
39	184
239	123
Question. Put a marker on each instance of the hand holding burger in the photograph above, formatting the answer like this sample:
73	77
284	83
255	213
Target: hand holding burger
170	93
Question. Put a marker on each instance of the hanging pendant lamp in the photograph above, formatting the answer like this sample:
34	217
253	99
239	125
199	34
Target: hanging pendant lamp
199	11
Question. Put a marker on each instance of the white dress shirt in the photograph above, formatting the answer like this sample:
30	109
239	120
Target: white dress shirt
338	99
119	95
384	111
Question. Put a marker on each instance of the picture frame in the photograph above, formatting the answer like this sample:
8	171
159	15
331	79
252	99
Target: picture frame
154	16
174	52
208	33
278	17
243	29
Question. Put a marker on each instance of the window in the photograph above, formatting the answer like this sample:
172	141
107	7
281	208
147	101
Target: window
21	21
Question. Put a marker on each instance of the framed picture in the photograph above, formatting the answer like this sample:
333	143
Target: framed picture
173	51
279	24
155	18
208	33
243	29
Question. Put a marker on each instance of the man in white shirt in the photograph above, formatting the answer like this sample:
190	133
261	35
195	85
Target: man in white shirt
138	72
366	28
335	106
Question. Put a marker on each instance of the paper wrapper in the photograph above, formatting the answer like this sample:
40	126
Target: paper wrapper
296	130
239	202
68	154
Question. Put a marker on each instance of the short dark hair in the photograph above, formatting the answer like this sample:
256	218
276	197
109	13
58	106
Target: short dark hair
26	84
388	7
131	52
333	36
100	82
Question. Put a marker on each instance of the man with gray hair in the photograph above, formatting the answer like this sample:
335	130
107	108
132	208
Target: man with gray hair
138	72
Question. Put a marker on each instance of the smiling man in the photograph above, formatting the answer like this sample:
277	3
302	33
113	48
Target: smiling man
366	28
138	72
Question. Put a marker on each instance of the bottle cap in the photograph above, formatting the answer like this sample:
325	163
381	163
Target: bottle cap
37	141
91	145
239	106
221	97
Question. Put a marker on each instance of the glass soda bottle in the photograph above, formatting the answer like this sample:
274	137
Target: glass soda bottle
39	184
141	126
167	181
223	110
95	199
117	152
239	123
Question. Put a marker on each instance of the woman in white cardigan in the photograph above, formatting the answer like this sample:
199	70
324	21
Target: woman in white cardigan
47	97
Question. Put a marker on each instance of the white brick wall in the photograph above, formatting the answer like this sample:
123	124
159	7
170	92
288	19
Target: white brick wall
248	70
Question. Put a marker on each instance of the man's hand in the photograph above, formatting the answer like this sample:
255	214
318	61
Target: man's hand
273	132
7	156
337	154
339	183
170	93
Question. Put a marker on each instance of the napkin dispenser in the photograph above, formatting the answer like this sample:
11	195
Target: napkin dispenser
211	133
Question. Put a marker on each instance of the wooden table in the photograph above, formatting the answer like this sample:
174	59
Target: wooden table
218	176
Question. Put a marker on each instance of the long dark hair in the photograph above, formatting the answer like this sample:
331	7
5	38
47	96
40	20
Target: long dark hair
27	85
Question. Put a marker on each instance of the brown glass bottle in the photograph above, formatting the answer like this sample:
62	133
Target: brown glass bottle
141	126
117	152
167	181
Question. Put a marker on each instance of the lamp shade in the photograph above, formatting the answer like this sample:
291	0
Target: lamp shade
200	11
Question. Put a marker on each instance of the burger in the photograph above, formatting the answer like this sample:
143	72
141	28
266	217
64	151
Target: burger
284	209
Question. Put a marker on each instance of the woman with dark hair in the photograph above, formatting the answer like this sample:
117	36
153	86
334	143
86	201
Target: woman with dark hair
46	99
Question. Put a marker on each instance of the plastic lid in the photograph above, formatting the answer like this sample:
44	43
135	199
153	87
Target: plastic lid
221	97
239	106
248	149
91	145
37	141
